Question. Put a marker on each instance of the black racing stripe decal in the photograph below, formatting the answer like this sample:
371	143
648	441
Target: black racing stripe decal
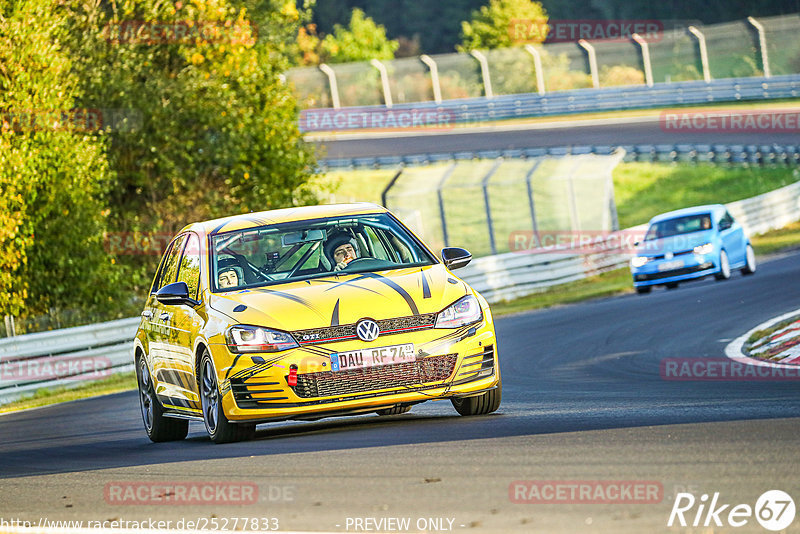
426	290
352	283
400	291
218	228
335	315
290	296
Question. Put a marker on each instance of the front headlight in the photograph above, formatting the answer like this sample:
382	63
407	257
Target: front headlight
638	261
708	248
244	338
463	312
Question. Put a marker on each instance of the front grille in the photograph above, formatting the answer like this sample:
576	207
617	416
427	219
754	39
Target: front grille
675	272
329	383
343	332
476	366
249	394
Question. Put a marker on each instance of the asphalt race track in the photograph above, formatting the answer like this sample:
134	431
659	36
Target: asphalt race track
583	399
594	132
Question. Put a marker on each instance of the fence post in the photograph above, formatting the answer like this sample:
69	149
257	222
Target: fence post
485	185
586	45
537	67
487	79
531	203
391	183
387	91
434	69
762	45
439	187
645	49
701	42
10	327
331	84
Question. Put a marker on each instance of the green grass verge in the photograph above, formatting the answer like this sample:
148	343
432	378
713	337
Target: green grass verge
43	397
785	238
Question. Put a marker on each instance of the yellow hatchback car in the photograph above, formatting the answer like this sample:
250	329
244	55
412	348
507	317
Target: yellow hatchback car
304	313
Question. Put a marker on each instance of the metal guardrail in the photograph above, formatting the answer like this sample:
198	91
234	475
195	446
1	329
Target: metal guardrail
73	356
66	357
527	105
516	274
692	153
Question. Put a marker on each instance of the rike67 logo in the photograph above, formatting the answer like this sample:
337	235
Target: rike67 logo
774	510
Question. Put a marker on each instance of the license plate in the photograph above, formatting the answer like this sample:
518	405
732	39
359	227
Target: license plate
670	265
373	357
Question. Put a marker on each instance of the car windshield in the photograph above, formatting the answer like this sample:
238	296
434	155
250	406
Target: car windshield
679	225
295	251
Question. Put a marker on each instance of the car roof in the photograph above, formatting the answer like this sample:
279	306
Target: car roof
262	218
695	210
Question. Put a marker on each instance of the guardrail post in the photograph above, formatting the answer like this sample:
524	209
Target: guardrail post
531	203
439	196
391	183
10	327
387	91
485	185
645	49
537	67
586	45
334	88
434	70
487	80
762	45
701	42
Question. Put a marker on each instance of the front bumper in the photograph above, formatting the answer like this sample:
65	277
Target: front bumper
449	363
694	266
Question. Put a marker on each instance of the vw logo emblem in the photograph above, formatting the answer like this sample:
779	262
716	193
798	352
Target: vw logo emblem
668	255
367	330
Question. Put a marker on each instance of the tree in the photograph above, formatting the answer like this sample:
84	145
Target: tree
362	40
493	26
53	174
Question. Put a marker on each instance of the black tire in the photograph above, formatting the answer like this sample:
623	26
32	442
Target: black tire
219	429
724	267
672	285
750	261
643	290
158	427
394	410
480	405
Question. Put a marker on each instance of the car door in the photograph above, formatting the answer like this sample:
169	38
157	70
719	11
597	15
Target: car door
185	322
161	332
732	237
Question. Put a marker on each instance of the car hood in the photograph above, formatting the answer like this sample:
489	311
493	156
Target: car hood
343	299
674	244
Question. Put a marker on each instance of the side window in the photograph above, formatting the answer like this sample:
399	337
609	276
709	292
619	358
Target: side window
190	265
170	269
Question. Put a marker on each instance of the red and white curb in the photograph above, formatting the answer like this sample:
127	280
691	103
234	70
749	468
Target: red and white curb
734	349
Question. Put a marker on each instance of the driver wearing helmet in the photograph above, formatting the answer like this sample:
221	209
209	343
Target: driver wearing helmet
340	249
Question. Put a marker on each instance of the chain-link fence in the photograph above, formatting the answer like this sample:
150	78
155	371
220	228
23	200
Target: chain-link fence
754	47
481	204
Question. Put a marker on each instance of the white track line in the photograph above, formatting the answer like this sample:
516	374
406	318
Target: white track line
734	349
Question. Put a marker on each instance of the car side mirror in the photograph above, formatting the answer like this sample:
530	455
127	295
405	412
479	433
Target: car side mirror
175	294
455	257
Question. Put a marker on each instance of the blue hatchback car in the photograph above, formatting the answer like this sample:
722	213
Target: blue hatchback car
688	244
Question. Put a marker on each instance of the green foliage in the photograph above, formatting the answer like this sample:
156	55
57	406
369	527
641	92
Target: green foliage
362	40
493	25
52	175
217	133
620	75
